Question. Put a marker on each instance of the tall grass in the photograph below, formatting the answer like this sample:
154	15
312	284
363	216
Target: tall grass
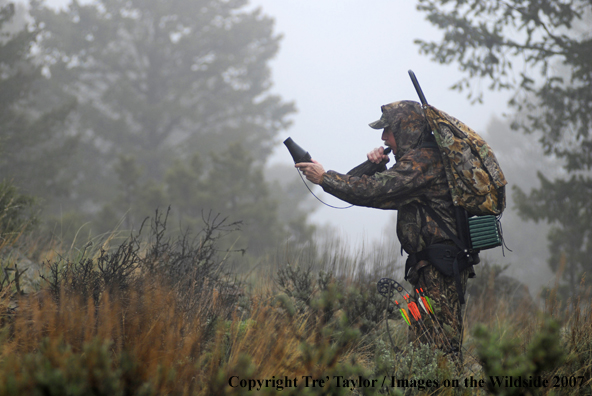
163	317
148	338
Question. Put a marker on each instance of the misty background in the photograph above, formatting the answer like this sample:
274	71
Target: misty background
337	63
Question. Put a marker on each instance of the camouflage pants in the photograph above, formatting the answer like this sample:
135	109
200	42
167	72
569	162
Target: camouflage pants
448	332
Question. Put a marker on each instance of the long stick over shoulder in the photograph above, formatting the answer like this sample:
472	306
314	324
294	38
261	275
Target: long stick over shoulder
418	88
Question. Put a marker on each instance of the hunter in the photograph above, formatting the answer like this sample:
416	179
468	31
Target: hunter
415	186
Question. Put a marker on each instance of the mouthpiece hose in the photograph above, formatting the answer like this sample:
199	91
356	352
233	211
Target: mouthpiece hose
368	167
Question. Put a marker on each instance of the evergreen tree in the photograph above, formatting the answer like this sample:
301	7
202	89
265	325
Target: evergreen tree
542	52
173	109
236	186
233	186
34	147
160	80
294	202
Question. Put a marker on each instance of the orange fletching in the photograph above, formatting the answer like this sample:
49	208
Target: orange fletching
414	310
403	313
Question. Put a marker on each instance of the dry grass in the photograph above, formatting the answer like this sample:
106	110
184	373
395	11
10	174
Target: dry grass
146	341
148	326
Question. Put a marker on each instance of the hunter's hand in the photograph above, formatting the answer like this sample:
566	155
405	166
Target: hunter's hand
313	171
377	156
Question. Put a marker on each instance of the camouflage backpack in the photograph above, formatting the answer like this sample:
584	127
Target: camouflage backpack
475	178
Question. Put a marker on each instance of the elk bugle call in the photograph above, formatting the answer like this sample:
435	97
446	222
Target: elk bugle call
298	153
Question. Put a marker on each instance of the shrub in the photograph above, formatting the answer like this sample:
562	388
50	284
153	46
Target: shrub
189	265
55	370
16	213
504	357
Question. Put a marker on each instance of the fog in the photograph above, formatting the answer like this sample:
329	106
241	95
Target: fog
340	61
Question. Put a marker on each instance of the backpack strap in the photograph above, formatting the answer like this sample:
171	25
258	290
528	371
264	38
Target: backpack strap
444	227
463	254
460	241
430	143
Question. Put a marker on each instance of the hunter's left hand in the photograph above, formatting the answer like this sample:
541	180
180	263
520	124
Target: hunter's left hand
313	171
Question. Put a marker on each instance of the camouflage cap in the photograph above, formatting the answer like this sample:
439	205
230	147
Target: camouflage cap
407	121
393	112
381	123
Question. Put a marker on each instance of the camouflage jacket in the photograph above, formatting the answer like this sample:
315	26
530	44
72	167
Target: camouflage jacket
417	180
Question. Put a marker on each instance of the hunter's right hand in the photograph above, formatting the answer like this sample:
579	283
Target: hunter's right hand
377	156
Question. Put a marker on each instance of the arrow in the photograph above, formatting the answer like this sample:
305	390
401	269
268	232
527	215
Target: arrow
403	313
413	308
417	316
424	303
386	287
427	299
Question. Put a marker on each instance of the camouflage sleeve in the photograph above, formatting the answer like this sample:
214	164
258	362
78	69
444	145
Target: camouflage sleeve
367	168
391	189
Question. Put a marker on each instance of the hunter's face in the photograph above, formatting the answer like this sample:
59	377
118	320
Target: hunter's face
389	139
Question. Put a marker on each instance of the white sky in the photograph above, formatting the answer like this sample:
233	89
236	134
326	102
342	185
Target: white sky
340	60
